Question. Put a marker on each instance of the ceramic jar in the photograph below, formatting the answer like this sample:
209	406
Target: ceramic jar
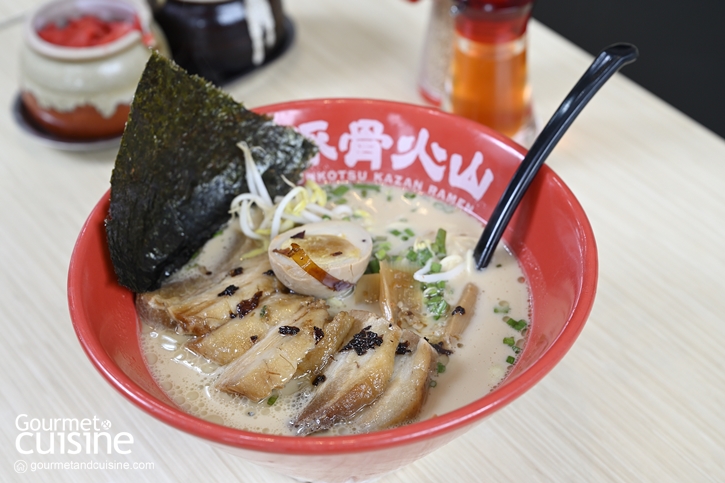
221	40
83	93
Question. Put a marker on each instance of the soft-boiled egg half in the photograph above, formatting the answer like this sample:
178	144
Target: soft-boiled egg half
324	259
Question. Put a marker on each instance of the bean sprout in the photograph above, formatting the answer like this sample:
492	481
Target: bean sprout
276	220
255	184
302	204
423	275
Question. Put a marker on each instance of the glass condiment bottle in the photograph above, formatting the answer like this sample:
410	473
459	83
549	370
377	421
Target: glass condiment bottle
436	51
487	77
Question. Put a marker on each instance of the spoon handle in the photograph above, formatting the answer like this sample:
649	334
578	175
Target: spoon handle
606	64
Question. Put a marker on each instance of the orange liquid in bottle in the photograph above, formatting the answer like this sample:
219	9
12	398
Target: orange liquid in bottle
488	84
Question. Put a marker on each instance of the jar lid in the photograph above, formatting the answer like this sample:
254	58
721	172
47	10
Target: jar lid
66	9
492	21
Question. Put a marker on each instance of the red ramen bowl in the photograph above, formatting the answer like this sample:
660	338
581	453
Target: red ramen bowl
423	150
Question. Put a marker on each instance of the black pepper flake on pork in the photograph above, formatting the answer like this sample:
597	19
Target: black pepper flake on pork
403	348
438	346
289	330
336	254
459	311
228	292
269	272
235	272
363	341
254	338
300	235
319	380
246	306
319	334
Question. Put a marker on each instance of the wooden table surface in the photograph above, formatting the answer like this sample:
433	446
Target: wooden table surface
640	397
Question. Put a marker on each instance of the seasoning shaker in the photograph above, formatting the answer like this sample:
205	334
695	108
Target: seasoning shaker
437	50
487	78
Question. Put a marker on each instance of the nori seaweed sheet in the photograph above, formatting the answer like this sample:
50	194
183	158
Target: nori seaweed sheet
178	169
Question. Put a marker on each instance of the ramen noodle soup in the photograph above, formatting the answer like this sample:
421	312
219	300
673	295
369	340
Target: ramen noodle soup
404	228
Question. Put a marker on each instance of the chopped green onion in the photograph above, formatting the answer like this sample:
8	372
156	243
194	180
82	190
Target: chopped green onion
510	359
410	196
441	368
437	308
440	243
501	310
435	267
340	190
424	255
445	208
409	232
394	232
272	400
509	341
263	311
380	254
373	266
360	186
517	324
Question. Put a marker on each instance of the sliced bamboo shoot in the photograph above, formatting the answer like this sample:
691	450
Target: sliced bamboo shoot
460	316
401	299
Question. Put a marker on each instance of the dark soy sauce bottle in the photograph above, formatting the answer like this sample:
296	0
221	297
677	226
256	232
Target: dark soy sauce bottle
222	40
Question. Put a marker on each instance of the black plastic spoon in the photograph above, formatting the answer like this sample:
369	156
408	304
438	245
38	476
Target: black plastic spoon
606	64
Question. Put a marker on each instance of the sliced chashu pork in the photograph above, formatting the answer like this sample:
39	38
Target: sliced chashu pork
209	298
356	376
336	332
403	399
273	361
228	342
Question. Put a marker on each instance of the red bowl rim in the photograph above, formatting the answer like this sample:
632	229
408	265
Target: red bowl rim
378	440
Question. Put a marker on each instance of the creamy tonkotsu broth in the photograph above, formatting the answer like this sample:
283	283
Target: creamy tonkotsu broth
396	219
